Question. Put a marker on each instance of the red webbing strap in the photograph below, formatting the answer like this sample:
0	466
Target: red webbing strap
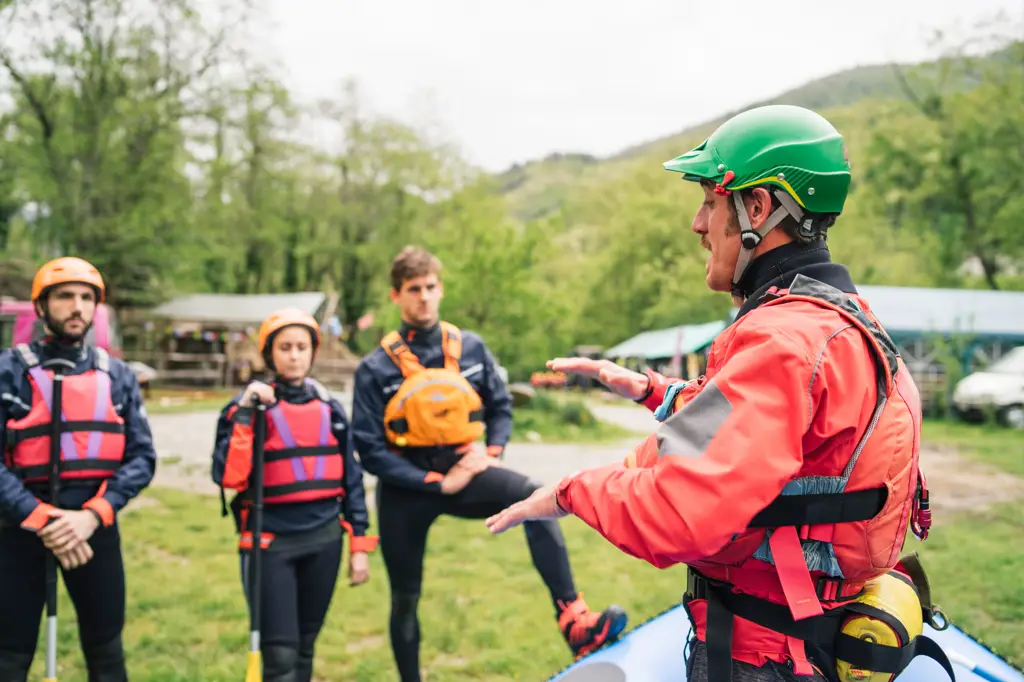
797	585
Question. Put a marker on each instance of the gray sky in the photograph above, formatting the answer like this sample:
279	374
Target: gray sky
514	81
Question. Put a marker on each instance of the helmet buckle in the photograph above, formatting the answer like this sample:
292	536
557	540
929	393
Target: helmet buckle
750	239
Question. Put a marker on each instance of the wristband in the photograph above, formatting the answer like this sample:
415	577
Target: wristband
648	390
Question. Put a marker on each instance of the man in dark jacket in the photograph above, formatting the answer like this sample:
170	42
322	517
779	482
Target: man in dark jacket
419	483
106	459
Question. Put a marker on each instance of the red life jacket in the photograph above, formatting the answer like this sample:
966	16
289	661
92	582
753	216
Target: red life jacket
92	436
792	575
302	458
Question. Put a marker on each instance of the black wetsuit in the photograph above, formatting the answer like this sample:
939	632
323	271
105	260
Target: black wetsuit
300	568
409	500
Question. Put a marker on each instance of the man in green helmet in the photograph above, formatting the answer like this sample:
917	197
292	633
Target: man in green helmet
785	477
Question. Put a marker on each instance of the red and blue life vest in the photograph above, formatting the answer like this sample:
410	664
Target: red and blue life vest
92	434
302	459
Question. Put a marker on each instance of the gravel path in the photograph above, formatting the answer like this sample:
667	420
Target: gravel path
184	442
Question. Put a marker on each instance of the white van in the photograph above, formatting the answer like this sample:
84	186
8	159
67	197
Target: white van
999	389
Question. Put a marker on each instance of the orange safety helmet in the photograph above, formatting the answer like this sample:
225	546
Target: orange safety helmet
286	318
65	271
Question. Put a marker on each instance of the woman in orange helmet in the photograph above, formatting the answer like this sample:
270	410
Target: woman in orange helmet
311	479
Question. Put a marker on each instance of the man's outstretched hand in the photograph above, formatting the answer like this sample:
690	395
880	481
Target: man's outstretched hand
539	506
625	382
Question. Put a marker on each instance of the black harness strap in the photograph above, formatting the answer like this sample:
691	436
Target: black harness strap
822	632
829	508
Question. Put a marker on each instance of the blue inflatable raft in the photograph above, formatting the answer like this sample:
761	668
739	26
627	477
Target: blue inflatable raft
653	652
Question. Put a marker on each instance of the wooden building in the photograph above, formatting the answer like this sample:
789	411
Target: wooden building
211	339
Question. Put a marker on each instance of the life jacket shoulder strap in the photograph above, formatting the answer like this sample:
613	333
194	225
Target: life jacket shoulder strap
27	355
811	290
839	507
451	343
401	354
102	360
321	391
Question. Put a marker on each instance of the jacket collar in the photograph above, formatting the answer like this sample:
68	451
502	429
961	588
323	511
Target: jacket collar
421	336
778	268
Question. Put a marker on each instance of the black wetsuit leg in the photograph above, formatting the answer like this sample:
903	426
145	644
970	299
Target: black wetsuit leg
97	591
404	517
497	488
298	574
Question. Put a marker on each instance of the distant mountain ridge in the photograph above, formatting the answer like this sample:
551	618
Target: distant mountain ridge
538	188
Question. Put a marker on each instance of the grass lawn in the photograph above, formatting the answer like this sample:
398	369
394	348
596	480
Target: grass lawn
996	445
171	400
485	614
975	562
552	428
554	417
974	568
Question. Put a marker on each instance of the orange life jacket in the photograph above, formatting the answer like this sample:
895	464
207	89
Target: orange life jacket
433	407
92	435
302	460
784	585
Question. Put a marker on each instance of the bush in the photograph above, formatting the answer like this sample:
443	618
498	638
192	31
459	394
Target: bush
554	418
576	412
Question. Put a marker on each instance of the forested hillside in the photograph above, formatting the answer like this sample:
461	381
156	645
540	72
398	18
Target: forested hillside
148	142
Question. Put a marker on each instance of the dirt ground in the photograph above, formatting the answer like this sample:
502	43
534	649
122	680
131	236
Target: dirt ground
184	442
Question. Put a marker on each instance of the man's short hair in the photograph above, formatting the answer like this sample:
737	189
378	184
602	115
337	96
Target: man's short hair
411	262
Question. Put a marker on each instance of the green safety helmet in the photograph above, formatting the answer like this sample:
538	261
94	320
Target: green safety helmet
794	152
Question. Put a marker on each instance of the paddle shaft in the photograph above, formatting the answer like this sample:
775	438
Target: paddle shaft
56	421
259	427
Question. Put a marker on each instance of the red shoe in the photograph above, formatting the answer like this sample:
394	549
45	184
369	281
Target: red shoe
586	631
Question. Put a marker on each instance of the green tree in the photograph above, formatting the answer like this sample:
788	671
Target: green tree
380	179
494	276
101	97
949	164
10	205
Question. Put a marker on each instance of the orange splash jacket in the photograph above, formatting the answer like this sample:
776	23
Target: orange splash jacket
789	472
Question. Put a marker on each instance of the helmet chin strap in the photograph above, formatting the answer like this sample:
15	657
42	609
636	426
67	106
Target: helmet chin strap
750	238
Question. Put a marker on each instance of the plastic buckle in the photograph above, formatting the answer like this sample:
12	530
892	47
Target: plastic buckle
828	589
696	585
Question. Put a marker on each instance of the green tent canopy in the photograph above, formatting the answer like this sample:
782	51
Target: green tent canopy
662	343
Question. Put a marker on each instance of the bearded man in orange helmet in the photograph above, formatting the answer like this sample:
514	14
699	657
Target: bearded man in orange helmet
106	458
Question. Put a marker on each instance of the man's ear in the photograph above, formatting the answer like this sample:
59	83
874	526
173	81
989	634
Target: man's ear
394	295
759	206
